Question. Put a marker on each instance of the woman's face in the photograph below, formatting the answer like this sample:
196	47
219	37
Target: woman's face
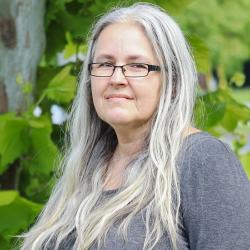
119	100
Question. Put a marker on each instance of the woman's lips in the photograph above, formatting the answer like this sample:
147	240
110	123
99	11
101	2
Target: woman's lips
118	97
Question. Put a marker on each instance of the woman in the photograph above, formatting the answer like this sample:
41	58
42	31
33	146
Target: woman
137	173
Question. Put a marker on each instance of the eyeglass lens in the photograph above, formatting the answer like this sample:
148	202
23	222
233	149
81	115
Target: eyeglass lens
135	70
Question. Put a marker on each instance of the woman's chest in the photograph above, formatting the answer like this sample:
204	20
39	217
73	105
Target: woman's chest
136	235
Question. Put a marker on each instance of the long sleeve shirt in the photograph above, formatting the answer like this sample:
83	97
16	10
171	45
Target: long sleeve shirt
215	202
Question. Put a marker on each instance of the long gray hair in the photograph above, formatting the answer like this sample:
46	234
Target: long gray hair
151	180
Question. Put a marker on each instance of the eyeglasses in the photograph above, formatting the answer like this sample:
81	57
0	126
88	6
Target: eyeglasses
128	70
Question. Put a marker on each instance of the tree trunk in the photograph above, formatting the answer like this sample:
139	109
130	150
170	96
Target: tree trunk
22	41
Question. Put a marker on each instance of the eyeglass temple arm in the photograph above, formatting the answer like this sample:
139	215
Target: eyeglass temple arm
154	68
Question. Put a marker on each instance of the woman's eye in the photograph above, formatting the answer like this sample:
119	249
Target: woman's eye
105	65
138	65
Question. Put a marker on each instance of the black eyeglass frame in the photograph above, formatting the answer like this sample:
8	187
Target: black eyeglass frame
150	68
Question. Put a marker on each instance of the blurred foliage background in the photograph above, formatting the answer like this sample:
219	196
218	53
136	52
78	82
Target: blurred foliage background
32	118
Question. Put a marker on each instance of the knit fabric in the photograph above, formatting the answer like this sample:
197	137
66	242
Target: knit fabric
215	202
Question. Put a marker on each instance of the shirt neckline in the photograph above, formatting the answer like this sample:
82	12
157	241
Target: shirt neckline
112	191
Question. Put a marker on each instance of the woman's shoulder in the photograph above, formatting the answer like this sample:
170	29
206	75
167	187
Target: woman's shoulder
205	156
203	144
215	194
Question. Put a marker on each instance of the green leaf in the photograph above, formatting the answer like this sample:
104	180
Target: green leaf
238	79
209	110
44	76
220	109
201	54
235	111
70	48
75	24
55	40
16	213
62	87
5	243
241	95
53	8
172	6
229	121
38	188
26	88
13	140
239	143
224	26
44	151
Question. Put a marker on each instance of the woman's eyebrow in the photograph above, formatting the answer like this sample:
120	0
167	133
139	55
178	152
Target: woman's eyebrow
128	58
138	57
104	56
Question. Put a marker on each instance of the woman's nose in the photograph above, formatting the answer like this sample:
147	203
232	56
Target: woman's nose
118	77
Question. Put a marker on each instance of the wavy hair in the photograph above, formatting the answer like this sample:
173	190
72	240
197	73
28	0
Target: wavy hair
151	180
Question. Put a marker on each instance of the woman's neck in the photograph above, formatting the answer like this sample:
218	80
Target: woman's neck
130	142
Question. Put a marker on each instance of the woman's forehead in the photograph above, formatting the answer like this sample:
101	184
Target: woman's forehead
129	57
123	39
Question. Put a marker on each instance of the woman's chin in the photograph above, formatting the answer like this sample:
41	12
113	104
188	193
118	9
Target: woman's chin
118	117
118	121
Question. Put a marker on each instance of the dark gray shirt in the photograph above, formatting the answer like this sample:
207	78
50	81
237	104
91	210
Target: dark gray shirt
215	194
